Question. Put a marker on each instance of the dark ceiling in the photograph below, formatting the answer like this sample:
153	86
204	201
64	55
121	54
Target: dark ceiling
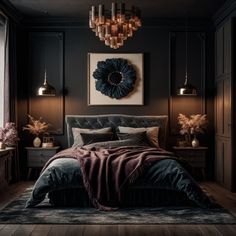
149	8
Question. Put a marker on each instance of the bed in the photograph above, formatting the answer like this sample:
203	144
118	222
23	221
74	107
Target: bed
163	182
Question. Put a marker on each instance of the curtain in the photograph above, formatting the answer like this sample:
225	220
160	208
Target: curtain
6	76
4	69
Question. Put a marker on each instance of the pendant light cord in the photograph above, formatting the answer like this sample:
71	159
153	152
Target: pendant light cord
186	54
45	70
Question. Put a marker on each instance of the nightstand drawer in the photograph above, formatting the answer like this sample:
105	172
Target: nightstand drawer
41	153
191	154
37	162
195	157
195	161
38	157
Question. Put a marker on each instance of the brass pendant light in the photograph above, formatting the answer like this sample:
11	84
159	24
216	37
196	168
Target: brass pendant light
187	89
46	89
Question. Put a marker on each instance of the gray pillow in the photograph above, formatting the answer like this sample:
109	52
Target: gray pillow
78	142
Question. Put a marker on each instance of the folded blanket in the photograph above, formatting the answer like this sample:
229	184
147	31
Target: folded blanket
106	171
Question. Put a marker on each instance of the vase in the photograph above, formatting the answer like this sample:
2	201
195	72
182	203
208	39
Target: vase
2	145
187	139
37	142
195	142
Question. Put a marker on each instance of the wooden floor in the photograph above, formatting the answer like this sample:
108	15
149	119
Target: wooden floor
222	196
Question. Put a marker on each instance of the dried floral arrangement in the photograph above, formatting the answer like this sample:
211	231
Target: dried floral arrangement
9	134
36	127
193	124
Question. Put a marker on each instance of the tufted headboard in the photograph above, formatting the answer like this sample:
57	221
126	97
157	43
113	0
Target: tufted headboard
115	120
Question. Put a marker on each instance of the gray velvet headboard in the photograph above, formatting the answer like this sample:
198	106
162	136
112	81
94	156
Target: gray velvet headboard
115	120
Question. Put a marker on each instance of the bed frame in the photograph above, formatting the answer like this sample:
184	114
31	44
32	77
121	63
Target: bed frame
115	120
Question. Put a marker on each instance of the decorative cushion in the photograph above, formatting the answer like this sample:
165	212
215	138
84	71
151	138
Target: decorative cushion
111	144
89	138
151	133
78	142
139	138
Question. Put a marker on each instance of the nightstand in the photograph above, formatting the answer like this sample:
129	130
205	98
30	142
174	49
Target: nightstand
195	157
37	157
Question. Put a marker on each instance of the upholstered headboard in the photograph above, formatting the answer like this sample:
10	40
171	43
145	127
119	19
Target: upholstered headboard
115	120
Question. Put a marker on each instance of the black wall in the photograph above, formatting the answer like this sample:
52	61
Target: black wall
153	40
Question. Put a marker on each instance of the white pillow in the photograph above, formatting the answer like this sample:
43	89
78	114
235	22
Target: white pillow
151	132
78	142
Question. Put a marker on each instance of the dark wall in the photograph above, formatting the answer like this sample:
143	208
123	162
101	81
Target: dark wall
153	43
151	40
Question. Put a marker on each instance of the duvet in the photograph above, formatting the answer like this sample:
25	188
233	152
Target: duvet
106	172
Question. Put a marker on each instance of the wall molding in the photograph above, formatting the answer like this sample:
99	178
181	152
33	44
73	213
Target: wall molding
11	11
76	22
228	9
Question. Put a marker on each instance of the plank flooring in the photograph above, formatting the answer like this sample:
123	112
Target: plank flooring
222	196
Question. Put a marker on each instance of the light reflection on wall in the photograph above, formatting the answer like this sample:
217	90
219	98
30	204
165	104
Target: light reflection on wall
187	105
50	109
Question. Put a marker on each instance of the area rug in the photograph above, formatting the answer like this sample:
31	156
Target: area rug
16	213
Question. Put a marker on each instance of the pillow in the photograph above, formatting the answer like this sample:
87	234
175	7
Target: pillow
139	138
151	132
111	144
89	138
78	142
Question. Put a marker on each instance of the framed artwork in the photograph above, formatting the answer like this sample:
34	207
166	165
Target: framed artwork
115	79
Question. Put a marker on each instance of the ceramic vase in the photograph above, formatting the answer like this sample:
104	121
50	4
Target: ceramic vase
195	142
37	142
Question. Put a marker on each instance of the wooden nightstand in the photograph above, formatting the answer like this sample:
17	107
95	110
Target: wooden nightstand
195	157
37	157
6	167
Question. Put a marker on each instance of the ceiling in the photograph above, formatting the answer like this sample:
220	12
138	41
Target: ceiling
149	8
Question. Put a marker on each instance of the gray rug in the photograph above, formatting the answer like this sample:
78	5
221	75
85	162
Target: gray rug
16	213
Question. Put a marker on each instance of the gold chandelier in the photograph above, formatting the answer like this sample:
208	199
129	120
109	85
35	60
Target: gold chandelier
116	26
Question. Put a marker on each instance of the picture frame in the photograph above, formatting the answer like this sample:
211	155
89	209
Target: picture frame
135	97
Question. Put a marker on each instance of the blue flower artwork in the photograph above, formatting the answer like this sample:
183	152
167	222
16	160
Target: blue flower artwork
115	77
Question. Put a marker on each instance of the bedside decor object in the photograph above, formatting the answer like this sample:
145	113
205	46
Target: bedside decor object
48	142
115	79
115	27
195	142
192	126
8	135
37	142
36	127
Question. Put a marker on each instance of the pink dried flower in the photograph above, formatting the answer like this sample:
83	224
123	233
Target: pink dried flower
193	124
36	127
9	134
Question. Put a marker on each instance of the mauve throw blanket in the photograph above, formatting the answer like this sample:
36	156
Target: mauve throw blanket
106	171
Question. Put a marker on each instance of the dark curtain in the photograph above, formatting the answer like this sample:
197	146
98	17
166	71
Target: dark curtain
10	69
13	71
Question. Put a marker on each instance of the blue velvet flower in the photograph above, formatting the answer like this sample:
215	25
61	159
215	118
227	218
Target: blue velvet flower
114	77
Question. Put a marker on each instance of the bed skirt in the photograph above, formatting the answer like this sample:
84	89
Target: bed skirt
132	197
